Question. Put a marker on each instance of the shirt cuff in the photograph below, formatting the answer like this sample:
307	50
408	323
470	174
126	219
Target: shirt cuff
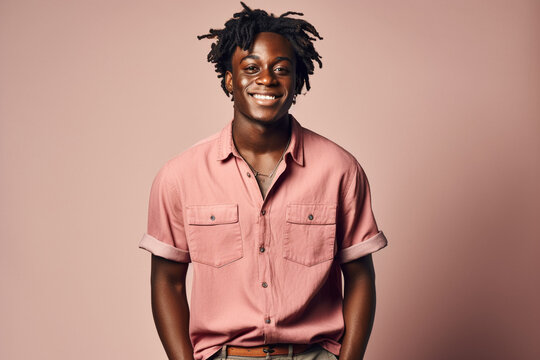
163	250
366	247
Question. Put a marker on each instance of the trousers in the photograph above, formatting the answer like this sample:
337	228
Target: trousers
316	352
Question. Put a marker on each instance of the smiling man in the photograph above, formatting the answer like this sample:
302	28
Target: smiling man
268	213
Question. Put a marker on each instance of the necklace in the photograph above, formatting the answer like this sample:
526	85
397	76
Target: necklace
271	175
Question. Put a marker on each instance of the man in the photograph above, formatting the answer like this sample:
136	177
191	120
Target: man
268	213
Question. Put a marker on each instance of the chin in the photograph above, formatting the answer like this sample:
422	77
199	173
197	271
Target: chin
268	120
265	118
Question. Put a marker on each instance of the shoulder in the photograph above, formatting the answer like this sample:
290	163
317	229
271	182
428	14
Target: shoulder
202	151
318	148
334	160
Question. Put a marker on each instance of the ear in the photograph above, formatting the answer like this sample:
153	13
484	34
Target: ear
228	81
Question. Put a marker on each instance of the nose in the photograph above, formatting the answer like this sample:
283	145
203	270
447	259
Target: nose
266	78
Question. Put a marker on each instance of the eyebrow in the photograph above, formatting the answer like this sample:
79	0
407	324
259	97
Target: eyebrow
281	58
250	57
256	57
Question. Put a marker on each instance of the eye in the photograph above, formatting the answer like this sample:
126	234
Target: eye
281	70
251	69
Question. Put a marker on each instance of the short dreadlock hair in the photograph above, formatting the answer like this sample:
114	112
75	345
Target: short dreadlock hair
241	29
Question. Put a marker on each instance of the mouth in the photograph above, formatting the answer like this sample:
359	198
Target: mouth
265	99
264	96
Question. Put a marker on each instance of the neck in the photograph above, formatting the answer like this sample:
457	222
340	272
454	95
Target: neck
260	138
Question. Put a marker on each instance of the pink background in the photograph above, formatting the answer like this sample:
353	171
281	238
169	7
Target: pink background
438	100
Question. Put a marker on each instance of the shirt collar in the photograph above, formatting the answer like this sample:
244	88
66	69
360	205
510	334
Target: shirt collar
296	146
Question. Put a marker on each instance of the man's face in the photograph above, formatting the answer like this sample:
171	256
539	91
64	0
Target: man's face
263	79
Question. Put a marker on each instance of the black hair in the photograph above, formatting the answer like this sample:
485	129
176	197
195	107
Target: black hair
241	29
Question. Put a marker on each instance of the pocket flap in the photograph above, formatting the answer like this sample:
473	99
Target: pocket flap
311	213
212	214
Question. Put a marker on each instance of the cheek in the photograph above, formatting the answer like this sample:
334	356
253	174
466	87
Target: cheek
242	82
291	84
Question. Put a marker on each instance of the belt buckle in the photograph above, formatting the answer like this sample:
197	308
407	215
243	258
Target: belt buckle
269	349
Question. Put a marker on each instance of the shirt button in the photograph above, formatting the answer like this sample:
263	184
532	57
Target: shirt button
212	218
310	217
263	212
261	249
248	174
264	284
267	321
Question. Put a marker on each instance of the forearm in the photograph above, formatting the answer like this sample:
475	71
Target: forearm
358	311
171	316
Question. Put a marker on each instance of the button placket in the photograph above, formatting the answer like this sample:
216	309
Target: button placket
264	262
263	219
264	222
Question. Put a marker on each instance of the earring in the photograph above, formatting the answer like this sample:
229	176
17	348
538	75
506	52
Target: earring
294	99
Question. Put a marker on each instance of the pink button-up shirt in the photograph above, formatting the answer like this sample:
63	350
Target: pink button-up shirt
267	270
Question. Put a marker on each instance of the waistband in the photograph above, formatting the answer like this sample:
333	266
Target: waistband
265	350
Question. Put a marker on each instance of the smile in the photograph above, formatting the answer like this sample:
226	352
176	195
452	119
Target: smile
264	97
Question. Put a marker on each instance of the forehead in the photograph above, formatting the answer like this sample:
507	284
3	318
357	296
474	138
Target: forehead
268	46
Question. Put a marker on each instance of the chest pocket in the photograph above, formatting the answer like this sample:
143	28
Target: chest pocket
310	232
214	236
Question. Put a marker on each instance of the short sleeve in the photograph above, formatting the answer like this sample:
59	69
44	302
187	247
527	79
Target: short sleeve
165	235
358	234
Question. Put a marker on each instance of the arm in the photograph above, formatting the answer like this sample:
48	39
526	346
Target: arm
358	307
170	307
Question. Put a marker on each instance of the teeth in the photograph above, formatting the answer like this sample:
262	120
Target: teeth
265	97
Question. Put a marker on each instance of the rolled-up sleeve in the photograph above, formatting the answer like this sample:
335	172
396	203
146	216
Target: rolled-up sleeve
358	234
165	235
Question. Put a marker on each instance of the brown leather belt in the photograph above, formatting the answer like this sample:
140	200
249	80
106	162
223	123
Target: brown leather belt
272	349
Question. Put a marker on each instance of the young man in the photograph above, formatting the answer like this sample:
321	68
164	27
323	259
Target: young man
269	214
